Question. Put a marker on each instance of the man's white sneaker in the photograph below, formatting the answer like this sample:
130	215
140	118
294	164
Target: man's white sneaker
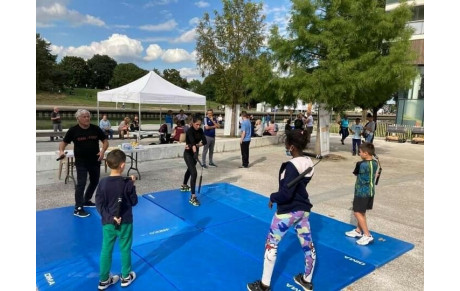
353	233
365	240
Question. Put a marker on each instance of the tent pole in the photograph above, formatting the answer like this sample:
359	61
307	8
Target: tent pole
98	112
140	122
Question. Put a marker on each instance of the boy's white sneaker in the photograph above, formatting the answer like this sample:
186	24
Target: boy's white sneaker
365	240
353	233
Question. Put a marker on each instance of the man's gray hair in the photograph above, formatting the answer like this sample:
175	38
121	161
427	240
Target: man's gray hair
80	112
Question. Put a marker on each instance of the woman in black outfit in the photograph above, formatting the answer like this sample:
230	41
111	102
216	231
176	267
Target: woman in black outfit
194	138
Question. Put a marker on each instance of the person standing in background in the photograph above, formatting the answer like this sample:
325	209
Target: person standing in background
56	121
309	126
210	125
343	128
245	139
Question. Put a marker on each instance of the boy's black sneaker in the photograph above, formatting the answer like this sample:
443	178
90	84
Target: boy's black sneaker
194	201
80	212
106	284
257	286
126	281
89	203
305	285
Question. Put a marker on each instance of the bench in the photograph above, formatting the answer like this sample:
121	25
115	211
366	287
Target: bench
417	135
396	133
50	133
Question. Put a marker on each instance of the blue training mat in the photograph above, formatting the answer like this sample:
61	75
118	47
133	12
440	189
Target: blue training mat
217	246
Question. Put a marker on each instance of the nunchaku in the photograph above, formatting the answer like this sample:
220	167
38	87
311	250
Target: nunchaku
120	200
201	175
61	156
308	170
380	170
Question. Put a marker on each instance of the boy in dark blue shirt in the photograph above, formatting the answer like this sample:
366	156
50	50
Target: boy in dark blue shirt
115	197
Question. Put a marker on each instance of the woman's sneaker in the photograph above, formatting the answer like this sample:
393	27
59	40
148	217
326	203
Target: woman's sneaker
365	240
194	201
110	281
126	281
305	285
184	188
353	233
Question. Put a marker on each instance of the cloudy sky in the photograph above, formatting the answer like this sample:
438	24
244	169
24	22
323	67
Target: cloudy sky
151	34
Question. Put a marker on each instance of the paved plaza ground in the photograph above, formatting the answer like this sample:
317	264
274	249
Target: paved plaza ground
398	207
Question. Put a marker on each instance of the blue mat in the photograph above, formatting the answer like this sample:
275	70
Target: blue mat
217	246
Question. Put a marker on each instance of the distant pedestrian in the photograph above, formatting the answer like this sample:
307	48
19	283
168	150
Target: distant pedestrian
356	129
245	139
88	156
369	129
344	128
117	220
366	175
210	125
56	122
309	126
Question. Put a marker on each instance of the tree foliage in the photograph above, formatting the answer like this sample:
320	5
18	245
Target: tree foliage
229	44
76	71
345	52
126	73
173	76
45	63
101	69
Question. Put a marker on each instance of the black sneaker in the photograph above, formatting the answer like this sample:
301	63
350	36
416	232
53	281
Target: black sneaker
212	164
126	281
89	203
106	284
80	212
257	286
205	166
184	188
305	285
194	201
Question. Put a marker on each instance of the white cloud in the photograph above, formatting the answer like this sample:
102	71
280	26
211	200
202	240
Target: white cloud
188	36
47	13
159	3
201	4
117	46
153	52
190	73
194	21
166	26
177	55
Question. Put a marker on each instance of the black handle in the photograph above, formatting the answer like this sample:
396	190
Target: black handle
300	177
61	156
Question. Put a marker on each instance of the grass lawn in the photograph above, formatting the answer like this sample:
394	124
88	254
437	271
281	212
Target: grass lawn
88	98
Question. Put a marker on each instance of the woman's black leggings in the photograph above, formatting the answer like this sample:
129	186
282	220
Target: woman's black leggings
191	170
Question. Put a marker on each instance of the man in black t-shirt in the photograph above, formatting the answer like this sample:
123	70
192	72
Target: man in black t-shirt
88	157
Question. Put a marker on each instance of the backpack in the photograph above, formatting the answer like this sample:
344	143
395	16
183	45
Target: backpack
298	124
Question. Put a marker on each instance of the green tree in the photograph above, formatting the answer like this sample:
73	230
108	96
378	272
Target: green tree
228	45
126	73
194	86
45	63
76	69
173	76
101	70
345	52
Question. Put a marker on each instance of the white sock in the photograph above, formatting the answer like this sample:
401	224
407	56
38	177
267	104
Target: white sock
269	263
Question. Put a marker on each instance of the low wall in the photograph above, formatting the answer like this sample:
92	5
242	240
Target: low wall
46	161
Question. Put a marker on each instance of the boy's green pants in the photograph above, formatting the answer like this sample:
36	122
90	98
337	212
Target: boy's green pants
109	236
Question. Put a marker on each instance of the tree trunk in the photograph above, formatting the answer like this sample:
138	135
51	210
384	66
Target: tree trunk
232	121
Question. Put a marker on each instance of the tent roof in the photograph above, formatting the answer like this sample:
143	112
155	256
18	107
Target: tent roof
151	89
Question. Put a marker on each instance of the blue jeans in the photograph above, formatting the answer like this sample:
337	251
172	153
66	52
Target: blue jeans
94	171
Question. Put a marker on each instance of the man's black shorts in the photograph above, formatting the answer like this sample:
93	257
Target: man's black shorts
361	204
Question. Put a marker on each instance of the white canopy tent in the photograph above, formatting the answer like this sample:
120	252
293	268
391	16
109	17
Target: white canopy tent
151	89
